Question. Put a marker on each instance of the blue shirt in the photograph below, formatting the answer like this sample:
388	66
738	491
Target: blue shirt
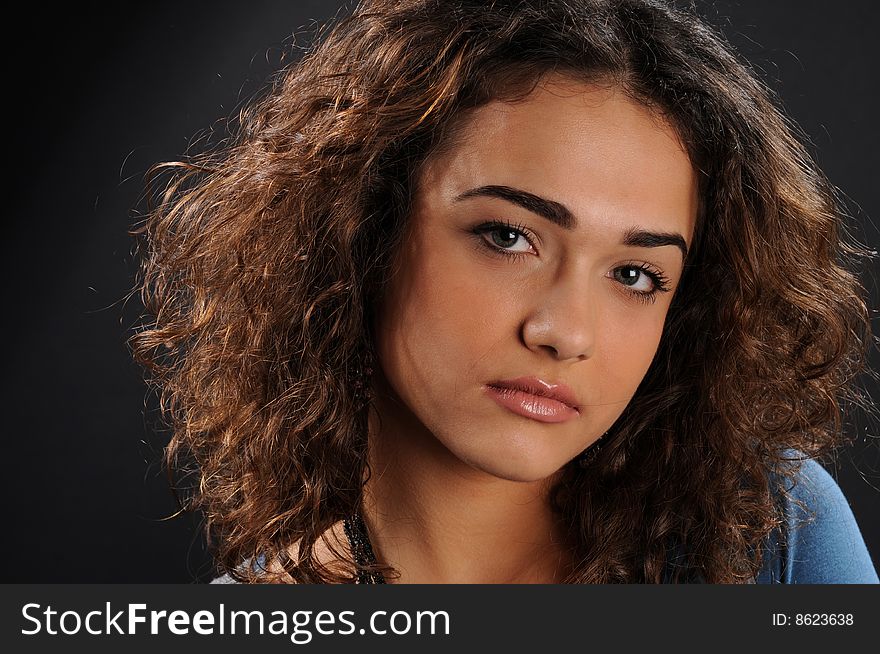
829	549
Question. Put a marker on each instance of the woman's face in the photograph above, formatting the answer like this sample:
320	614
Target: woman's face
534	264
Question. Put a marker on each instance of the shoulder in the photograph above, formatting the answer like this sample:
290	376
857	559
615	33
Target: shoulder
325	550
225	579
821	543
257	564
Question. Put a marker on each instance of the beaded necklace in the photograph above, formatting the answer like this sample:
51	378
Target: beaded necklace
359	542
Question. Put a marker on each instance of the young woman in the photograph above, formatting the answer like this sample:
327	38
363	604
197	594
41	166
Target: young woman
510	292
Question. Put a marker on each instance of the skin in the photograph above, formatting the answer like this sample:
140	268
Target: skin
459	486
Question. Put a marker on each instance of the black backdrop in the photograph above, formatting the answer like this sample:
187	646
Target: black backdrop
97	95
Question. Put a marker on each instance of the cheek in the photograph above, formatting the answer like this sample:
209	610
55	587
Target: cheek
442	317
444	287
630	341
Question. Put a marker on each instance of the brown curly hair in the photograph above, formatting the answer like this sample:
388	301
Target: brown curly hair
264	257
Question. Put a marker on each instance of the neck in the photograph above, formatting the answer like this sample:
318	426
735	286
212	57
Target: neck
437	520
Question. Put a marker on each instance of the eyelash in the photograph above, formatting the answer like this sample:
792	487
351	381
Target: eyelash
661	283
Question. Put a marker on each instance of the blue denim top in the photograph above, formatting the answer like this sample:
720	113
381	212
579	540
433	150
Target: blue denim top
827	550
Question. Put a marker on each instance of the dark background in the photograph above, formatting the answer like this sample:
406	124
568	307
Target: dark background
97	95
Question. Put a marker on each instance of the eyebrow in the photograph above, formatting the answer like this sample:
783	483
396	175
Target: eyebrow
560	215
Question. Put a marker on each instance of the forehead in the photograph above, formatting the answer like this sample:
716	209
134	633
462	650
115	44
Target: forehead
611	161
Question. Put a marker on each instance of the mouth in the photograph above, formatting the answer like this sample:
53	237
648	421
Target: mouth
534	398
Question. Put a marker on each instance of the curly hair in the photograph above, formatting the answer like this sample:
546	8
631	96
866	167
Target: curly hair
264	257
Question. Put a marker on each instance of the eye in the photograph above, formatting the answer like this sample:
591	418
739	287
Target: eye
642	281
635	278
505	239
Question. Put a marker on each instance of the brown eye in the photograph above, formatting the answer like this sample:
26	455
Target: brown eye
641	282
631	275
505	238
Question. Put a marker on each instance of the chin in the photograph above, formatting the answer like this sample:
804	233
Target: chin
516	466
522	473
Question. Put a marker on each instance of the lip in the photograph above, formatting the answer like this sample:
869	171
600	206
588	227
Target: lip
535	398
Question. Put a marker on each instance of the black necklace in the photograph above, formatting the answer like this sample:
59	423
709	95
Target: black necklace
359	541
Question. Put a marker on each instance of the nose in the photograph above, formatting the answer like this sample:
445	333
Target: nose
563	321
